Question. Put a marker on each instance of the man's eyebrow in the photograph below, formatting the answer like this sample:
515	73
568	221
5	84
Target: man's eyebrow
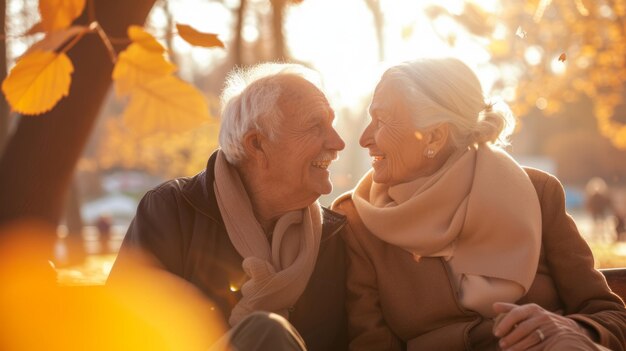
314	118
322	115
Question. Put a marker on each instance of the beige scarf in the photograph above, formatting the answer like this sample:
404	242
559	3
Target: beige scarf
480	212
277	273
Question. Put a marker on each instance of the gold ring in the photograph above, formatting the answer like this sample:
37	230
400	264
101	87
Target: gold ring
540	334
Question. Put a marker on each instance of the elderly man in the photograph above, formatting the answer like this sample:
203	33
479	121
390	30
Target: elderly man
248	231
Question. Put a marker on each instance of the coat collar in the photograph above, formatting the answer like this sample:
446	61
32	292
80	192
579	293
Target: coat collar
198	192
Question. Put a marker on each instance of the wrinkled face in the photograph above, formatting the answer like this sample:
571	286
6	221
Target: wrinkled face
394	143
305	144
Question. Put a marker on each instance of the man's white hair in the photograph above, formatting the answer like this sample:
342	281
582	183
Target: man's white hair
250	101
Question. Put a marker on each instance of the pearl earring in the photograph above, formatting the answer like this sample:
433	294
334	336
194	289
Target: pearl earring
430	153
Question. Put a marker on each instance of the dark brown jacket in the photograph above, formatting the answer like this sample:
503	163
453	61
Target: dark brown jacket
179	223
394	301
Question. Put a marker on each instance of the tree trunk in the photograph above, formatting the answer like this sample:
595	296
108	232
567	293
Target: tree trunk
74	242
169	32
4	107
238	42
374	6
38	164
278	12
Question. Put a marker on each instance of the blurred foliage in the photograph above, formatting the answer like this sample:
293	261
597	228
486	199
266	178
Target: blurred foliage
553	53
579	48
167	155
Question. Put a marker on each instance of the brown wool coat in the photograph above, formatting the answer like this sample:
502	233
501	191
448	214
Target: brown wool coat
180	225
395	302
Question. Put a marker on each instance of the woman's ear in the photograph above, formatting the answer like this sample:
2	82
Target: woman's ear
253	144
438	137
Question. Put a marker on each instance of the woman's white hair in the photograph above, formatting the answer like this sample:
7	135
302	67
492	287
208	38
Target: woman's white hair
445	90
250	101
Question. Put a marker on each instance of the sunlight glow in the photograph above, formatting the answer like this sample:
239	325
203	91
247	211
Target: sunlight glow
533	54
250	33
345	50
557	66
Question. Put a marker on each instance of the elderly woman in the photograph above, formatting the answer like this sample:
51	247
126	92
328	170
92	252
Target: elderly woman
453	245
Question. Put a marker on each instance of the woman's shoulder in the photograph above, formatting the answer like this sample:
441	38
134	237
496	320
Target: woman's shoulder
342	202
344	205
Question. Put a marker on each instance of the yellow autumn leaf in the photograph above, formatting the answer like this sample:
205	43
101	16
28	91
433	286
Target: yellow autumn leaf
38	81
139	36
165	104
59	14
194	37
136	66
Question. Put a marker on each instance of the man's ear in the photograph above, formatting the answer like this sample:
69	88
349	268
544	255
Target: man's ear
253	144
438	137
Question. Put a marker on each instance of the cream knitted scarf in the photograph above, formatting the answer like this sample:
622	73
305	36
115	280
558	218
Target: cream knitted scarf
277	273
479	211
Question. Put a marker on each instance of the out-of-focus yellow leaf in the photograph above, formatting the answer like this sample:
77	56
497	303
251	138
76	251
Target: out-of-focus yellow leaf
138	35
166	104
194	37
136	66
53	40
499	48
59	14
38	81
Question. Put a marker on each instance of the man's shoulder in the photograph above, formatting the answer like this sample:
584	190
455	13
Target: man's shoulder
183	191
171	188
331	216
332	222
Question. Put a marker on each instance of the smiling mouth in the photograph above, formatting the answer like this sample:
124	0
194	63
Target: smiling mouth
321	164
378	158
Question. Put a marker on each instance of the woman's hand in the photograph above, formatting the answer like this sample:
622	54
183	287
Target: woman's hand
527	327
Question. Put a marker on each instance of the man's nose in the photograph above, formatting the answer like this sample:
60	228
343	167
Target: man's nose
334	141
